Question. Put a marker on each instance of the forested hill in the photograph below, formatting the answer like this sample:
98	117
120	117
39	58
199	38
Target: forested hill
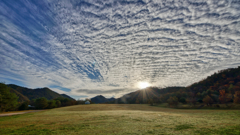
26	94
221	87
218	81
66	96
21	97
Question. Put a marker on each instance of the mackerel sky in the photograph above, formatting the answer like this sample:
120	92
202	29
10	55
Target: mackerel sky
86	48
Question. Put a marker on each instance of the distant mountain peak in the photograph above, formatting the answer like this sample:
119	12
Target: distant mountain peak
101	99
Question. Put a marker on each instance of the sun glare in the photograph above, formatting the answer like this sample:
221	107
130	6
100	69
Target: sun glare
143	85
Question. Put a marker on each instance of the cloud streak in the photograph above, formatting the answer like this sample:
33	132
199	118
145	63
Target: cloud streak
104	47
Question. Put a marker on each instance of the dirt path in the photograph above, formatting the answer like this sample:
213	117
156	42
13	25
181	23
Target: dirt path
16	113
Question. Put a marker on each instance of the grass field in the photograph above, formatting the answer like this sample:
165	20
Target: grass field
122	119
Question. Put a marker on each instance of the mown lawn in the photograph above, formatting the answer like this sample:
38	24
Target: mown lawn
122	119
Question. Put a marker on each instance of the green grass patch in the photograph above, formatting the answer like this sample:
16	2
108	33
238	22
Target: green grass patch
183	127
7	118
221	131
150	132
136	119
158	125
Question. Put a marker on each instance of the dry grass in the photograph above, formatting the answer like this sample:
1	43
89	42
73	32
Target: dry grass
122	119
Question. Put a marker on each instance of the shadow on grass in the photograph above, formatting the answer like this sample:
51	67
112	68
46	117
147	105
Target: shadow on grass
26	131
235	130
183	127
76	127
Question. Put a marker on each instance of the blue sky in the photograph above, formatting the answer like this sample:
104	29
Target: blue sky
86	48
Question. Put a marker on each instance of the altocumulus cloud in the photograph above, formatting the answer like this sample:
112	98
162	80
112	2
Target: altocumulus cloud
106	47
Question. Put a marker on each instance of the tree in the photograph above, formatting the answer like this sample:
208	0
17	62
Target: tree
161	98
58	103
199	95
173	101
236	88
204	94
41	103
156	100
230	88
24	106
182	100
74	102
237	97
208	100
8	100
224	97
192	101
80	102
32	102
150	101
51	104
137	101
64	101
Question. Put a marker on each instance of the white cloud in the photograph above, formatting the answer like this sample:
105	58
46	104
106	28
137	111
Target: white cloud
90	44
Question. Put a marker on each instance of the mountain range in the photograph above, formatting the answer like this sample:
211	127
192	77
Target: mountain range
221	85
27	94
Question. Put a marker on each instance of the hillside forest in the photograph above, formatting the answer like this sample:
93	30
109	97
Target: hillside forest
222	87
13	98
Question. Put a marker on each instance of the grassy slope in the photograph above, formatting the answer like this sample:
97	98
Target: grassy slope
122	119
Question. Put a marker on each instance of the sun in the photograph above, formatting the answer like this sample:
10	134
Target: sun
143	85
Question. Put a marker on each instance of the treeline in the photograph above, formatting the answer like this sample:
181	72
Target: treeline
9	101
220	88
43	103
